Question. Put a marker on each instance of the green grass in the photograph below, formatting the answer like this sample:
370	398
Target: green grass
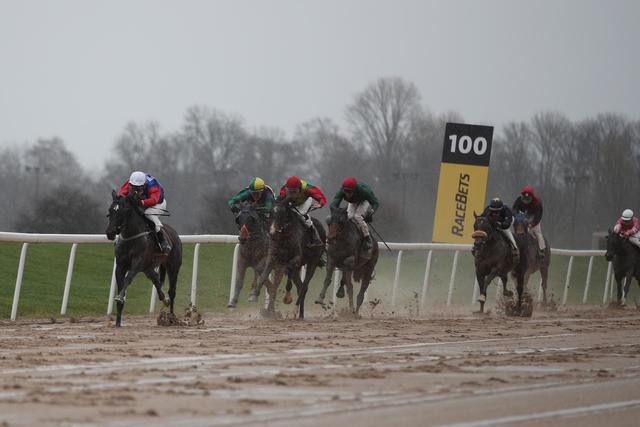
46	266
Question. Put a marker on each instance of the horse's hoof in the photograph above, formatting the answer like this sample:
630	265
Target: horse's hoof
507	293
231	305
166	302
320	301
252	298
287	299
482	298
340	293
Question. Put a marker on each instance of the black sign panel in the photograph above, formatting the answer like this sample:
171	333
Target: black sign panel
467	144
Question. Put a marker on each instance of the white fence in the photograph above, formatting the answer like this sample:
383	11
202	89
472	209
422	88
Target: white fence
76	239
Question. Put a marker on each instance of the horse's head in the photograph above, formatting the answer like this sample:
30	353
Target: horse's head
481	231
280	219
117	214
121	208
336	221
520	223
248	221
614	244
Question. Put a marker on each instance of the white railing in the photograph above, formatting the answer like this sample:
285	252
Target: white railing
75	239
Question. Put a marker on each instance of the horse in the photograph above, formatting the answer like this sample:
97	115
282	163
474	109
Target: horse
254	243
492	257
137	250
626	262
288	251
529	260
344	253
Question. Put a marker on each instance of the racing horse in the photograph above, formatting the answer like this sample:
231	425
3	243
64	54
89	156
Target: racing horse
137	250
289	250
492	257
530	262
254	243
625	257
344	253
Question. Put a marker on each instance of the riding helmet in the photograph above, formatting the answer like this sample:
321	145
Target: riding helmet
496	204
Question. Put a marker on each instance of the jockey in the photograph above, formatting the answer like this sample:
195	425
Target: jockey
628	226
305	197
258	193
152	201
362	204
500	216
531	204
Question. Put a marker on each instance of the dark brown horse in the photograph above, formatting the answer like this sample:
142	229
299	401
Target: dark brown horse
288	251
493	257
625	257
254	243
137	250
344	253
530	262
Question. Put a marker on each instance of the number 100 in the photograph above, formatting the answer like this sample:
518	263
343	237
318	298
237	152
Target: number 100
464	145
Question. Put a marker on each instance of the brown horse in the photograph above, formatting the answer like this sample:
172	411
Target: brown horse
137	250
493	257
625	257
254	243
289	250
530	262
343	252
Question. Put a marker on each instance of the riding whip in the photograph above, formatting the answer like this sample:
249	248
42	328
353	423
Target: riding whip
378	234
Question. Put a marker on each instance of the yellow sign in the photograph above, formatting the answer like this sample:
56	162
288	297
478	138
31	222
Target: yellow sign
462	184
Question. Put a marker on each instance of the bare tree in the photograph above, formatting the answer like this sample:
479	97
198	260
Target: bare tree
383	118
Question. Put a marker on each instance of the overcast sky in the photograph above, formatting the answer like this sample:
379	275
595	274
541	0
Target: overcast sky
80	69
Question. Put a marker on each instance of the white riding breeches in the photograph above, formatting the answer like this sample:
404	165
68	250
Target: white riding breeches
153	211
507	232
635	239
303	210
537	232
357	213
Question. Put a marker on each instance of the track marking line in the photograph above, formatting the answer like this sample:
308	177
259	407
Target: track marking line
569	412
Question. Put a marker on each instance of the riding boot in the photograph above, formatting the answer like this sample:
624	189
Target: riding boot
315	237
541	254
367	247
165	246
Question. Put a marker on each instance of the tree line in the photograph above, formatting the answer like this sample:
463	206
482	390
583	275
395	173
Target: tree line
585	171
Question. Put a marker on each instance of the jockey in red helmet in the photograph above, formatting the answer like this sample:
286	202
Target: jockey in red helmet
628	226
305	197
531	204
362	203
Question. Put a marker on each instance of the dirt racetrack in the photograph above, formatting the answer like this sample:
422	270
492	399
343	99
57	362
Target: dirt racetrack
574	366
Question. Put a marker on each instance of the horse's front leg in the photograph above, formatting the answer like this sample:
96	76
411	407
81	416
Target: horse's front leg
264	277
327	281
349	284
242	270
120	273
157	278
627	282
272	288
619	277
482	287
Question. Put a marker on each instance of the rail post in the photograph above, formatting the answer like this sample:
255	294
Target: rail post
16	291
452	279
67	282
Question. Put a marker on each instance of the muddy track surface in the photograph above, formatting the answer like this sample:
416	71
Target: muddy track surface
572	366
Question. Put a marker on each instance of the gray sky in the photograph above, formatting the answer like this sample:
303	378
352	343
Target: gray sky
81	69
